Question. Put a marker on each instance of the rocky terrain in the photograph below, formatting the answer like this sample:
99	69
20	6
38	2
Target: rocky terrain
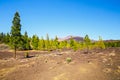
54	65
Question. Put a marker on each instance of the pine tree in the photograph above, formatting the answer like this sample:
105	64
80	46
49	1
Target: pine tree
81	45
87	42
56	43
62	44
71	42
51	45
26	41
34	42
1	37
100	43
76	45
41	44
16	32
47	42
6	38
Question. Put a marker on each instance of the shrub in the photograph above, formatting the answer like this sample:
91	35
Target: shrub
26	55
68	60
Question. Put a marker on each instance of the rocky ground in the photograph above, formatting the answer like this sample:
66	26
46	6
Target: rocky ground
43	65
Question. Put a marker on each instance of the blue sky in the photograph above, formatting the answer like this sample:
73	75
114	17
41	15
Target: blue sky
63	17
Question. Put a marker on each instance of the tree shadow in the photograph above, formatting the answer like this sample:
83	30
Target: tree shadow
30	56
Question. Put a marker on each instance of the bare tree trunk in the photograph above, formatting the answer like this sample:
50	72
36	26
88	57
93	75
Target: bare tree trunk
15	53
87	49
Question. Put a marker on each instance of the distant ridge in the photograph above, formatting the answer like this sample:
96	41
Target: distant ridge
111	40
76	38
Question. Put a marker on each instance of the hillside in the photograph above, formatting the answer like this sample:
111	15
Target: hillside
76	38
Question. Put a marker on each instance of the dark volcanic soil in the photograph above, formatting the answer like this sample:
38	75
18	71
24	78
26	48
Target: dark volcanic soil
42	65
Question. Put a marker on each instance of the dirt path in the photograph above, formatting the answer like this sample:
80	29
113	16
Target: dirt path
104	65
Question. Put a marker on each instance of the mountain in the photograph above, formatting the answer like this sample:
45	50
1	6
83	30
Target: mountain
77	38
111	40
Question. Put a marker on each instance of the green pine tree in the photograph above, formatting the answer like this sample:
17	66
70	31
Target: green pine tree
7	38
100	43
16	32
63	44
87	42
71	42
56	43
47	43
41	44
76	45
1	37
34	42
26	41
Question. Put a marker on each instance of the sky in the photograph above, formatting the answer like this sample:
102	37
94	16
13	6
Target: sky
63	17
